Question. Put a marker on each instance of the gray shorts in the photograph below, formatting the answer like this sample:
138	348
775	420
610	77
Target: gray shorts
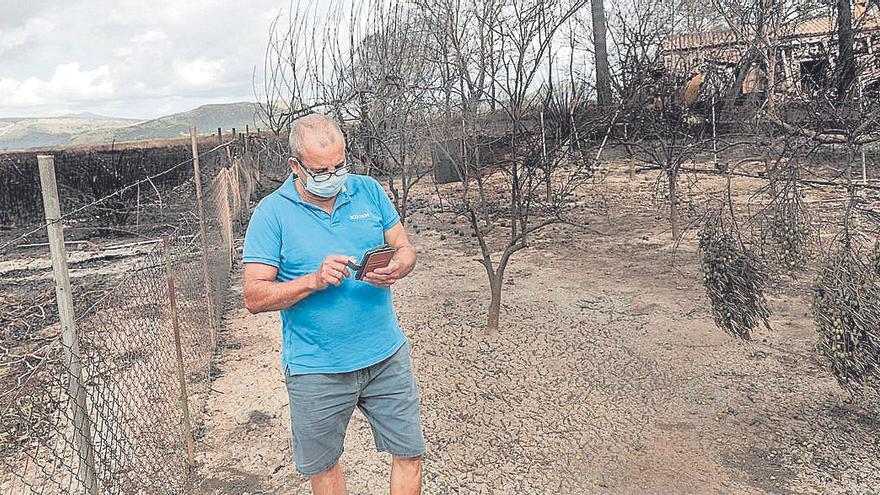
322	404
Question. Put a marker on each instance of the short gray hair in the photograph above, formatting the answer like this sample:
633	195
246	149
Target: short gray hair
320	127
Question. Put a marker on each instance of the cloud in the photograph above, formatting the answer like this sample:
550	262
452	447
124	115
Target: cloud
200	72
12	38
149	37
12	13
67	84
135	59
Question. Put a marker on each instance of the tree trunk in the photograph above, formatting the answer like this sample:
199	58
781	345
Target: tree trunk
394	193
549	186
846	69
404	183
603	73
495	280
745	65
478	174
548	169
771	78
403	210
673	203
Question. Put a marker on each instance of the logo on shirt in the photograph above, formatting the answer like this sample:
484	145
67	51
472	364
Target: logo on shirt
359	216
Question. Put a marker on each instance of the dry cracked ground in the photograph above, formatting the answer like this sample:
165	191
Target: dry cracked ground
608	376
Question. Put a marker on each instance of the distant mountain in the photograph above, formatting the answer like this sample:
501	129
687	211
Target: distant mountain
87	128
90	115
207	118
21	133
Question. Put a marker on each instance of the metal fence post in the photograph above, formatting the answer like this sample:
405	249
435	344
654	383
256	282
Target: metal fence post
64	298
206	280
178	352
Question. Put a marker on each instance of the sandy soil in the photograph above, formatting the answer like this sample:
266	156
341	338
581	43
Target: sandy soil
608	376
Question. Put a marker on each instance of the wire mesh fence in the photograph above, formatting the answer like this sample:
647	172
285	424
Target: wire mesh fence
115	412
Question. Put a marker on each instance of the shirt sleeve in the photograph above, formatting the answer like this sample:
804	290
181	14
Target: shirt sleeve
389	214
262	241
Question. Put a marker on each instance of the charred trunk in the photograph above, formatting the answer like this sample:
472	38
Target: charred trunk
846	69
495	280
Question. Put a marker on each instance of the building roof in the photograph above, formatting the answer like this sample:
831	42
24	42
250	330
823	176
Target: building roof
817	26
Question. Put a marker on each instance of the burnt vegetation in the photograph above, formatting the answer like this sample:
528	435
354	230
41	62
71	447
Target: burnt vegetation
516	108
515	105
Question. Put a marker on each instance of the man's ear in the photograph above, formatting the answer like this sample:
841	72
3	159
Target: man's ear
293	164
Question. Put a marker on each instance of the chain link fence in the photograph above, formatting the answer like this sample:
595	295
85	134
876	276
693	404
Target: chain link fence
116	411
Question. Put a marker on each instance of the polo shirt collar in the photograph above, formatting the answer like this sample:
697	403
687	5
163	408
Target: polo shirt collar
288	190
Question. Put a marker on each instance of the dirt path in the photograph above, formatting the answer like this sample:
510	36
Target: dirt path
608	376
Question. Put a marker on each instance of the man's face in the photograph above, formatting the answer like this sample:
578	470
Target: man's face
319	159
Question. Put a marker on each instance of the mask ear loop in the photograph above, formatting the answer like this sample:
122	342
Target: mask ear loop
294	174
299	176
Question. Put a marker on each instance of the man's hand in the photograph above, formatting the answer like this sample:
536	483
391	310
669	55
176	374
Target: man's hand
403	262
384	277
332	271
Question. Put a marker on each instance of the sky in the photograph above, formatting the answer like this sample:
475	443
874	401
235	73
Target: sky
123	58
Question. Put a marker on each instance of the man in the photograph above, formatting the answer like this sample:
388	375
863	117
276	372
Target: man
342	344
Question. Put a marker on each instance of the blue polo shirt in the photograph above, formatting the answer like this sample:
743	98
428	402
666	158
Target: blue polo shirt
338	329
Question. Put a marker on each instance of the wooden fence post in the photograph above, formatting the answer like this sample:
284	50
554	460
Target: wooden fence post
206	280
137	217
178	352
219	135
230	232
82	430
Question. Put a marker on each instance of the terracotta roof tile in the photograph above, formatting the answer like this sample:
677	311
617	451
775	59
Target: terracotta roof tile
816	26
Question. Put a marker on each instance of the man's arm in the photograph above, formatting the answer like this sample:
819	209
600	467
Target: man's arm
401	265
263	293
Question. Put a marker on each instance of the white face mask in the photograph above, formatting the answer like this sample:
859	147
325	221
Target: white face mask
324	189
